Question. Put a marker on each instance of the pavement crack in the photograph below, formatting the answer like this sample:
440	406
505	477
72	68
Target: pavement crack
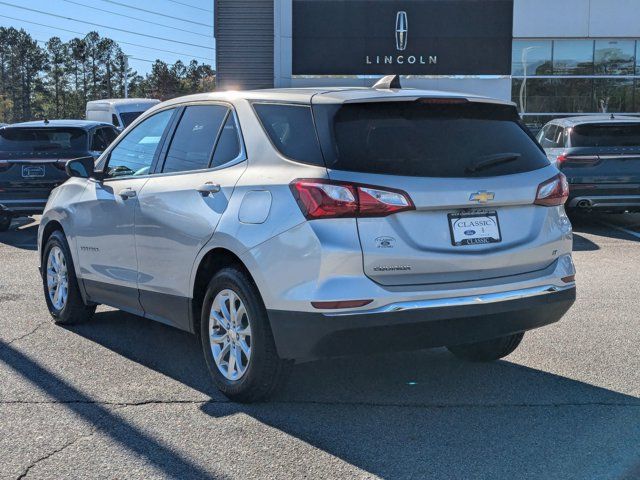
55	452
21	337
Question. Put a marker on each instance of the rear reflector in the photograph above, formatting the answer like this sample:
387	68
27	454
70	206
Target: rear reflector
341	304
569	279
553	192
322	198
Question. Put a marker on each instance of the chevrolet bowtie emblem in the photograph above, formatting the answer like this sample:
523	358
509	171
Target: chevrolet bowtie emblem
482	196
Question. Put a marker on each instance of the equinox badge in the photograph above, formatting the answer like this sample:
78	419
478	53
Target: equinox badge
482	196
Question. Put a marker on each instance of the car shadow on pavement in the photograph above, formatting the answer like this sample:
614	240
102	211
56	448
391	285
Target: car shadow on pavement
22	234
416	414
600	225
106	420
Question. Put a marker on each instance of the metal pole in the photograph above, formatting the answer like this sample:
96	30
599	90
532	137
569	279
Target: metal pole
126	76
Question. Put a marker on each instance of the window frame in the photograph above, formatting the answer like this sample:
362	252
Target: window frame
162	157
105	158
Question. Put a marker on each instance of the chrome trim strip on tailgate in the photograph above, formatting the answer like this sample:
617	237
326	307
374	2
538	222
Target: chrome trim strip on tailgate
459	301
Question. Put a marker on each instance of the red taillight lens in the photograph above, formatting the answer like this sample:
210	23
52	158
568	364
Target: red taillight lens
60	165
553	192
321	198
4	166
561	159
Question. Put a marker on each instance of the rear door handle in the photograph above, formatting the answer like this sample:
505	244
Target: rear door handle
208	188
127	193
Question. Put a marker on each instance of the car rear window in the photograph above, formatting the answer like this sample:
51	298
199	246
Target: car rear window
612	135
291	130
129	117
50	139
427	138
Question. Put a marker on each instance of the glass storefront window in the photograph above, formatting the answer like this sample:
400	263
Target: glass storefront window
545	95
573	57
614	57
532	55
613	95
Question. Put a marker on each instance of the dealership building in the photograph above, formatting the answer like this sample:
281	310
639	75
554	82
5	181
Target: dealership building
553	58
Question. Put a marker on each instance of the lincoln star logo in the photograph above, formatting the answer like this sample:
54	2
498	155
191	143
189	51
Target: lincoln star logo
402	30
482	196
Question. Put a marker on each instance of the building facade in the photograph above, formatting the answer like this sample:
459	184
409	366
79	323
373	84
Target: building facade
553	58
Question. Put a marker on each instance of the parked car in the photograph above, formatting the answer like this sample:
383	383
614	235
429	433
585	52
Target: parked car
284	225
33	157
120	112
600	155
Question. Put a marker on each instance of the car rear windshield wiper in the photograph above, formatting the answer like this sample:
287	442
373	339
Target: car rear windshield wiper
491	160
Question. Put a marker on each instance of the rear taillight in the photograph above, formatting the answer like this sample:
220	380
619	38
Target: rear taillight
553	192
577	160
60	165
321	198
4	166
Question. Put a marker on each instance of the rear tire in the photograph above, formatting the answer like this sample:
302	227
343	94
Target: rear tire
489	350
5	223
248	378
57	269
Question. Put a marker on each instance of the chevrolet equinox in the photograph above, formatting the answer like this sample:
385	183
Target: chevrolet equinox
295	224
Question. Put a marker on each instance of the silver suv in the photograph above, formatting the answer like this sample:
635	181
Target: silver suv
284	225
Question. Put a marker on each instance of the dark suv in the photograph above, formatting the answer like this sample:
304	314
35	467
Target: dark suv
33	157
600	155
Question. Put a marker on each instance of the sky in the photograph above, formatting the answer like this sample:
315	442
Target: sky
183	27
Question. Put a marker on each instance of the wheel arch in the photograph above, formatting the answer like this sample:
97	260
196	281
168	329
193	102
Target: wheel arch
50	227
213	261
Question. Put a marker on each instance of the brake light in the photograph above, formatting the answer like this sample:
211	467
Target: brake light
321	198
60	165
561	159
4	166
553	192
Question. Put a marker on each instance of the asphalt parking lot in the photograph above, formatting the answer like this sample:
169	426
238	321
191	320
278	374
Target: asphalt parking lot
124	397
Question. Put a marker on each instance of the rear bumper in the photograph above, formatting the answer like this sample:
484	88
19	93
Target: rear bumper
604	196
26	206
416	325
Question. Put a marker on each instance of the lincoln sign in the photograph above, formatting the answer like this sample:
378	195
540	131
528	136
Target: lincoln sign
411	37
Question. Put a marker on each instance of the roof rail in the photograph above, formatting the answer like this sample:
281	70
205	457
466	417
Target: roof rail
388	82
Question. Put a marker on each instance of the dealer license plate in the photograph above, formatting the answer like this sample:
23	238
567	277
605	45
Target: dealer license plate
474	228
32	171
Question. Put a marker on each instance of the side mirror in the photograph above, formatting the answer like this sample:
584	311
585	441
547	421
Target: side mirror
82	167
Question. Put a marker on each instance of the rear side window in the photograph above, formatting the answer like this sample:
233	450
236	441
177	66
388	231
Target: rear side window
427	139
611	135
228	146
194	139
291	130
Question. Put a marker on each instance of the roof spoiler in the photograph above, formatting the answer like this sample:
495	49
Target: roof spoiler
388	82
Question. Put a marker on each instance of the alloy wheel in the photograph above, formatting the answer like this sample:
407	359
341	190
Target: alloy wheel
57	278
230	335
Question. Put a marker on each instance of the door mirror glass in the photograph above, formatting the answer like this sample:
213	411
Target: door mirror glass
80	167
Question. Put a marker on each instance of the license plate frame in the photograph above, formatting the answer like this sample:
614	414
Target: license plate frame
33	171
475	238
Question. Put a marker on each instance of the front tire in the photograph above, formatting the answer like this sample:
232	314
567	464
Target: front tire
5	223
237	341
489	350
60	284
